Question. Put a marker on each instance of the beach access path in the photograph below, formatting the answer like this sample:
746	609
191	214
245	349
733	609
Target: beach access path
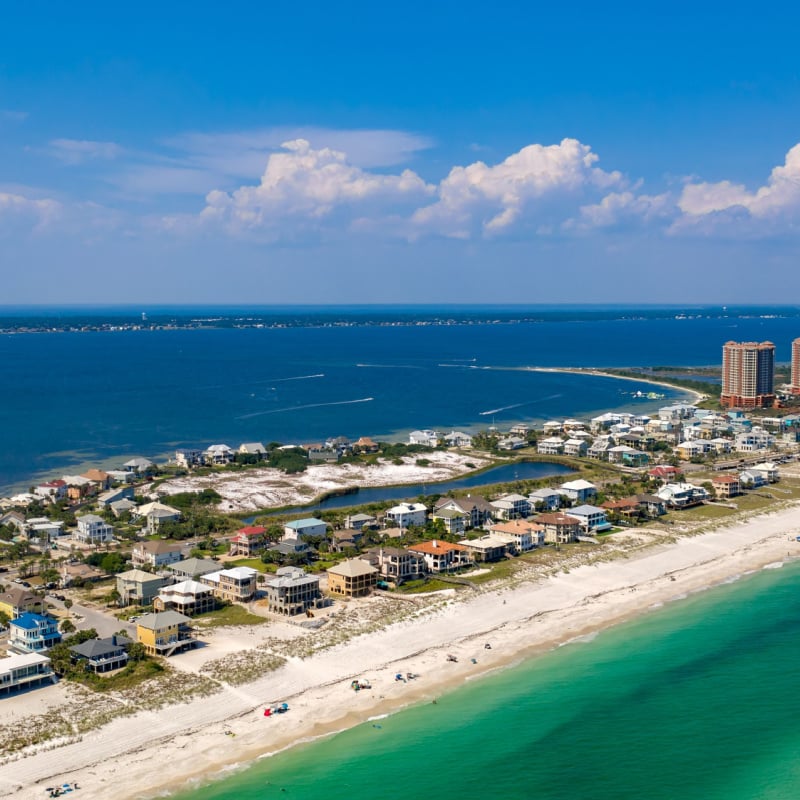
198	740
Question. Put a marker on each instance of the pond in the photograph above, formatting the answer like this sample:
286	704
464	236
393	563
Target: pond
505	473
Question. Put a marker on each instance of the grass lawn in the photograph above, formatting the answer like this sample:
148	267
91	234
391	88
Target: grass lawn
228	615
431	585
254	563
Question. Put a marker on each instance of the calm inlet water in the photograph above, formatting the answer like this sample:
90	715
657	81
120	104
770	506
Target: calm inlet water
697	701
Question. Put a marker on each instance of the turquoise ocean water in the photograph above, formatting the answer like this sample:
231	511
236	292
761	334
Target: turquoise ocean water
698	699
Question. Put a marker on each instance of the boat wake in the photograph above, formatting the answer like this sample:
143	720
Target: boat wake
297	378
498	410
307	405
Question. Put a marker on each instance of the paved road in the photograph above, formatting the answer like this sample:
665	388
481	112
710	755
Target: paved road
104	624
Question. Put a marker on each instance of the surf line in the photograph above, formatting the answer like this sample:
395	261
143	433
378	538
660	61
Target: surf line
308	405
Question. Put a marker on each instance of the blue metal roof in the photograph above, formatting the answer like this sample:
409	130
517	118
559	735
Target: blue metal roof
30	621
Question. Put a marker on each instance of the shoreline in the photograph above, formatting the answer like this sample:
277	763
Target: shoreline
600	373
190	741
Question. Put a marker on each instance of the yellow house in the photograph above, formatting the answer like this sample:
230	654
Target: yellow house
165	633
352	578
17	601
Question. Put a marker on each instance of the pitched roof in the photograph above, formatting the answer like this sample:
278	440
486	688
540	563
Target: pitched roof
158	546
138	576
435	547
16	597
161	619
254	530
97	648
195	566
555	519
352	568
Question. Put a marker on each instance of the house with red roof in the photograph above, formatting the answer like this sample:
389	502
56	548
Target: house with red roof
249	541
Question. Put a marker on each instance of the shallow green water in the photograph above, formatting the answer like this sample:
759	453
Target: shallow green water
695	700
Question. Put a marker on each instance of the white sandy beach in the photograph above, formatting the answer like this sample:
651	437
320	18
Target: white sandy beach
150	752
695	396
254	489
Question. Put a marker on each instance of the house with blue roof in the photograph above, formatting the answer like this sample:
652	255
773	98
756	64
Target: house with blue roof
32	633
302	528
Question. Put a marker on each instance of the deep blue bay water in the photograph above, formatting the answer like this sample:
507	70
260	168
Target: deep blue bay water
74	398
697	700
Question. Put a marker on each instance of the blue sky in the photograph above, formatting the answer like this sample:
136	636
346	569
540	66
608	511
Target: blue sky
423	152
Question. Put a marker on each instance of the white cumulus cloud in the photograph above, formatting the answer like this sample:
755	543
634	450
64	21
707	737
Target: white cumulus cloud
306	184
538	183
770	208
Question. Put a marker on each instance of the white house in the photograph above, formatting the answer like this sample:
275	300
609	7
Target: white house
552	446
682	495
579	490
511	506
511	443
754	440
575	447
768	470
406	514
154	514
426	437
458	439
93	529
218	454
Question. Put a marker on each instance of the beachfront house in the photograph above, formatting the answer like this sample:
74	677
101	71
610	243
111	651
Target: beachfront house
682	495
188	458
427	438
769	470
486	548
32	633
155	553
751	479
396	565
138	465
592	518
442	556
165	633
458	439
579	491
405	514
291	591
24	671
137	587
253	449
101	655
305	528
352	578
726	486
187	597
523	535
218	455
51	491
559	528
93	530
